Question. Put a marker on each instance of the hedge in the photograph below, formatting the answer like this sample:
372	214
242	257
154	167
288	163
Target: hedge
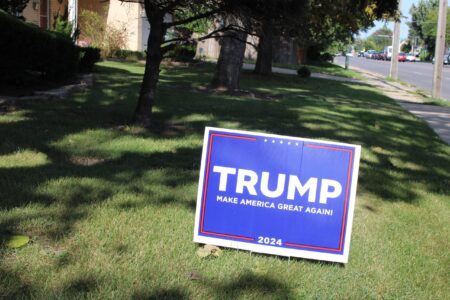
88	57
26	48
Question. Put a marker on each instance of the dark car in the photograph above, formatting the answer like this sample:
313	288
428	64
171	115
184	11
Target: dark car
382	56
446	59
369	54
379	56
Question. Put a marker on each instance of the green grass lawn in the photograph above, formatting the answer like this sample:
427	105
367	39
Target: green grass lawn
320	67
110	207
325	68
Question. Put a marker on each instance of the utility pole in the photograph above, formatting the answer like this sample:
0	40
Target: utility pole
393	72
440	48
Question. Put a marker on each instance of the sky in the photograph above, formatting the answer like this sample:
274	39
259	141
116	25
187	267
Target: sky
405	6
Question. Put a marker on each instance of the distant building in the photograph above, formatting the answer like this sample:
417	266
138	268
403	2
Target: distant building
44	13
284	51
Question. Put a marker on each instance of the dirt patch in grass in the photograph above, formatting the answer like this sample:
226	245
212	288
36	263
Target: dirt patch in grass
86	161
238	93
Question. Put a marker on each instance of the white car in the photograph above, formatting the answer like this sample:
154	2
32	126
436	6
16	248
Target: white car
412	57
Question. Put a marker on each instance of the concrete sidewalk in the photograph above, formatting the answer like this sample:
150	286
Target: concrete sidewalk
437	117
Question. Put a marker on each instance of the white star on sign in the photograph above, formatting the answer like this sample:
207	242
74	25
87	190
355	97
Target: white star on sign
273	141
281	142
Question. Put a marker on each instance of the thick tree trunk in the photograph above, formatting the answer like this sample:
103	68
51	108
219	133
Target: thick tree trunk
264	59
231	57
143	111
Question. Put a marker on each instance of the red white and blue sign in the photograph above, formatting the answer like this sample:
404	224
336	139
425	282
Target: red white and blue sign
277	194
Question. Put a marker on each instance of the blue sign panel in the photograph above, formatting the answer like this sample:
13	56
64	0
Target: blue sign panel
277	194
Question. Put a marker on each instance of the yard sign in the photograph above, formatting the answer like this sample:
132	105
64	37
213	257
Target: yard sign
276	194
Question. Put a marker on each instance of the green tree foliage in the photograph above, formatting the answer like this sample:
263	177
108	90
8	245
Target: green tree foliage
364	44
334	22
63	26
199	26
406	47
419	16
380	38
429	27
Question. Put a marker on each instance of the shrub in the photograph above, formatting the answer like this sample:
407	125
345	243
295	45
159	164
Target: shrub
304	72
130	55
93	28
63	27
96	33
28	49
183	53
115	38
318	54
424	55
88	57
326	57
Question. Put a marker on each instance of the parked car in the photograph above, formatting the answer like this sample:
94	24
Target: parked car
411	57
446	59
402	57
379	56
370	53
382	56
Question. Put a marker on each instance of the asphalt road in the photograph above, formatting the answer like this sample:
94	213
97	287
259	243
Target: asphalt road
419	74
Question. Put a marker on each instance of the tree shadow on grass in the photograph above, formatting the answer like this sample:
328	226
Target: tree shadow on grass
397	147
166	294
250	285
80	286
400	148
399	151
12	286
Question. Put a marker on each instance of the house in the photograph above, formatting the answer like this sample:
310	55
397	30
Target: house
115	13
284	51
210	48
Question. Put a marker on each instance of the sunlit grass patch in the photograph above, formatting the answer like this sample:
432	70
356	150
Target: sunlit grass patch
110	206
23	158
13	116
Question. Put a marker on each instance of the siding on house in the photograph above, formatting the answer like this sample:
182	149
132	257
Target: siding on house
284	50
210	48
30	14
55	8
129	16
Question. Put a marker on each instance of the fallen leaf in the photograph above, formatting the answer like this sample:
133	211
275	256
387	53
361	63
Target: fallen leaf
213	250
202	252
208	250
17	241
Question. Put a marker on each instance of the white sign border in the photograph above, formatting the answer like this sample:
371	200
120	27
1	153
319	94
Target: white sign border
341	258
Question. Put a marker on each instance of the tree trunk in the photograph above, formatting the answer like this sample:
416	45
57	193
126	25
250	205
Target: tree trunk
231	57
143	111
264	59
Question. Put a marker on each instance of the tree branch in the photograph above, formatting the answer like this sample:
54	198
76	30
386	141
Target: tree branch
192	19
